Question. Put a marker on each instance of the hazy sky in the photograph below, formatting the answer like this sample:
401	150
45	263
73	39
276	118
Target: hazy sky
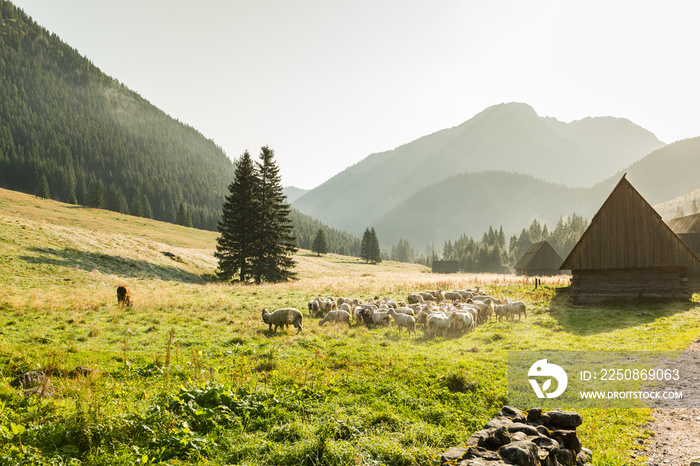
327	82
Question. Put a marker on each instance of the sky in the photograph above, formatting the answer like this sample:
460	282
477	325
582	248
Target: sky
325	83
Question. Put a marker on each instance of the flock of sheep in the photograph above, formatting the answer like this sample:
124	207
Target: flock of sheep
451	313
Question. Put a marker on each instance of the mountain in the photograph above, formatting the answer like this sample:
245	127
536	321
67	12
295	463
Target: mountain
471	202
293	193
64	121
506	137
667	173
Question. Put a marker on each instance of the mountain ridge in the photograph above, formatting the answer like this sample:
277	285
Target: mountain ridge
509	137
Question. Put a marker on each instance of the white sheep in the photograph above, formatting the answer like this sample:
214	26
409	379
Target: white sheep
439	322
405	310
404	320
336	316
345	307
381	318
515	307
283	318
452	296
500	312
465	294
463	322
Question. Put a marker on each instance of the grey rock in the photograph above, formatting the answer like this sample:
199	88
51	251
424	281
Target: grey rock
513	413
520	453
564	419
498	422
568	439
29	379
566	457
452	454
524	428
533	415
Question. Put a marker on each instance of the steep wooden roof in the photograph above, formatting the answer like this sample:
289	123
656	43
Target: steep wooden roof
687	224
627	233
539	256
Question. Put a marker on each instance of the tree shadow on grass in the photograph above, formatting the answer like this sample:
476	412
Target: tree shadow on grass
110	264
593	319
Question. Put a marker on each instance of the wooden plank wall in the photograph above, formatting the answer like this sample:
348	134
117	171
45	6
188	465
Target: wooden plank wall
591	286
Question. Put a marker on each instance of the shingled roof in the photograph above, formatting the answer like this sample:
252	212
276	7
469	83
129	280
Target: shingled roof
627	233
539	256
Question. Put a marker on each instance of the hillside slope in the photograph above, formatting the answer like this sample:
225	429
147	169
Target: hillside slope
65	121
508	137
469	203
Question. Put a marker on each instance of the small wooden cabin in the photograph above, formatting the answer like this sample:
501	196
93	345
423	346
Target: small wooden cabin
628	251
688	230
445	266
539	259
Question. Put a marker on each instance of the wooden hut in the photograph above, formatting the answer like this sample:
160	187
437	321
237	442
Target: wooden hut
539	259
628	251
688	230
445	266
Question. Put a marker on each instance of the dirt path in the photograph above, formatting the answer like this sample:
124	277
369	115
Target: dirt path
676	438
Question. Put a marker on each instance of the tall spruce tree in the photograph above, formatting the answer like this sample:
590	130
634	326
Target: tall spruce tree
275	245
320	245
375	254
366	245
238	225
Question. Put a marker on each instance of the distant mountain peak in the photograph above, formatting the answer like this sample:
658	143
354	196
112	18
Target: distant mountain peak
511	108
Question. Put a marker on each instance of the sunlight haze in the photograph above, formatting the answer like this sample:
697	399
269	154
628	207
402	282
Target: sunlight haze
326	84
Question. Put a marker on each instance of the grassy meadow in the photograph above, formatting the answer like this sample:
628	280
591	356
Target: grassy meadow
191	375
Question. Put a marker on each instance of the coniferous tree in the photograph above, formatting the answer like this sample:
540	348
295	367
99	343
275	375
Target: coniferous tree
136	207
42	188
238	224
183	216
375	254
96	198
365	245
272	261
320	245
147	212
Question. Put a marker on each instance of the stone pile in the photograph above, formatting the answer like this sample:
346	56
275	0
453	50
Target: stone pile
514	438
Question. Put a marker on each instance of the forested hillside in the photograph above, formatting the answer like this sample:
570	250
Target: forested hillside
71	132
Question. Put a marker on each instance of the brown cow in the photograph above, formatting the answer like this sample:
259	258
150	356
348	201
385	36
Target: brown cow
123	296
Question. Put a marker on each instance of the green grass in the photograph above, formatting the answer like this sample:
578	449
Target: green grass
190	375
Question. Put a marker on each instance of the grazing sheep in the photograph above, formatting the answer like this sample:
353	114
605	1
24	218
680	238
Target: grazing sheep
345	307
463	322
484	297
415	298
313	307
515	307
327	304
427	296
422	318
283	318
500	312
381	318
123	296
452	296
363	315
405	310
465	294
404	320
489	310
439	322
336	316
